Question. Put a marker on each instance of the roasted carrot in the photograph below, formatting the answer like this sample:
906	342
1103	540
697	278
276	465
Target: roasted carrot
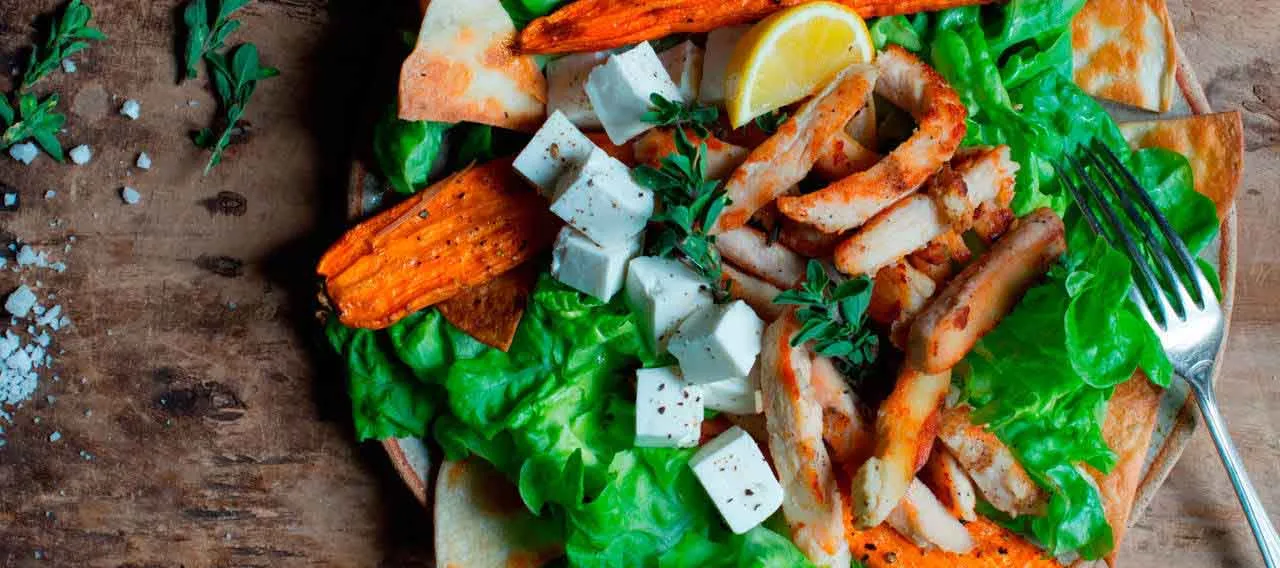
994	547
491	312
460	233
595	25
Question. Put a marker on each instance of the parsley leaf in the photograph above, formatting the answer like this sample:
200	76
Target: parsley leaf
771	121
834	318
234	80
205	37
689	205
34	119
664	112
68	33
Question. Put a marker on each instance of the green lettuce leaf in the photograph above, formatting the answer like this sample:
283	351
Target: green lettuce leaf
406	151
386	400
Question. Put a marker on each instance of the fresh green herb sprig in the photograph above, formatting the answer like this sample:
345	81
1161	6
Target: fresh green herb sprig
690	205
35	119
665	112
69	33
234	80
834	318
771	121
205	36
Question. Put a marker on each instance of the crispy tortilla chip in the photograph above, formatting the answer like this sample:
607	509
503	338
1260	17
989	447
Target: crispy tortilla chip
491	311
463	69
1213	143
1131	420
480	520
1124	51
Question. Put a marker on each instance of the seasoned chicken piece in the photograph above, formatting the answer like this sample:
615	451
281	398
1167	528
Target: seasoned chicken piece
991	221
980	296
900	291
806	239
912	223
720	160
813	505
901	430
751	251
843	426
947	478
786	157
990	464
939	258
911	84
843	156
755	292
922	518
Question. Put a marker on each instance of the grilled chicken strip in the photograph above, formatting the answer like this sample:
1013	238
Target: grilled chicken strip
751	250
901	430
843	156
755	292
786	157
843	427
813	506
944	474
913	85
899	293
999	477
923	518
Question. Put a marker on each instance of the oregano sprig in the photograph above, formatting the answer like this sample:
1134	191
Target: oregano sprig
205	36
771	121
663	112
69	32
234	80
36	120
834	318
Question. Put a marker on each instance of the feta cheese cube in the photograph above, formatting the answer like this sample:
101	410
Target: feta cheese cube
684	64
718	342
80	155
585	266
25	152
20	301
668	410
599	198
566	87
131	109
620	88
664	292
735	396
720	45
738	479
556	147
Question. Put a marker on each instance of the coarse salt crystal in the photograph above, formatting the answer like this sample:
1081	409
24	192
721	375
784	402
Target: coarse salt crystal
54	437
68	66
25	152
50	194
130	195
20	301
131	109
144	161
80	155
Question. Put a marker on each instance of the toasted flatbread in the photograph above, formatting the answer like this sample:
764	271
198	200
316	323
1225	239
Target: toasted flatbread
1124	51
491	311
463	69
1213	143
480	520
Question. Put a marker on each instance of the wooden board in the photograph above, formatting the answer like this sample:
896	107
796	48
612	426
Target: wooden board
256	466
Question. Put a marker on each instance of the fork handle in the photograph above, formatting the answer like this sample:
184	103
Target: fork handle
1263	530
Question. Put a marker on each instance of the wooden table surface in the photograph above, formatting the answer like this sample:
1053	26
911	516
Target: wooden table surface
199	424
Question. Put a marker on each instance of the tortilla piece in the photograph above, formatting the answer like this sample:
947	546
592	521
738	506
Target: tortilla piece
463	69
480	520
1124	51
491	311
1130	423
1213	143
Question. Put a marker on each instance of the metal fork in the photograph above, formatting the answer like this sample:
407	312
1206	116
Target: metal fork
1181	306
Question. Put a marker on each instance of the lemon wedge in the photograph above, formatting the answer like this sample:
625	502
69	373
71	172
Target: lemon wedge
789	55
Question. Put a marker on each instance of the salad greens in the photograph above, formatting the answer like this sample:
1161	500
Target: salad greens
555	413
1041	380
406	151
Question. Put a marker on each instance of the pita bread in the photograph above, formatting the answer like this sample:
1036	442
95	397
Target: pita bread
491	311
463	69
480	520
1213	143
1124	51
1130	422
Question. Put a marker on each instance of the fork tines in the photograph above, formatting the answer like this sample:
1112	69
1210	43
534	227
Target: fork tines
1165	293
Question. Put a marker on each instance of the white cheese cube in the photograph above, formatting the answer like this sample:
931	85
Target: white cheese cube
664	292
588	267
735	396
684	64
566	87
733	471
718	342
620	90
668	410
599	198
556	147
720	45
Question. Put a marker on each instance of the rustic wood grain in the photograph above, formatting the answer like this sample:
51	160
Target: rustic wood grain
220	436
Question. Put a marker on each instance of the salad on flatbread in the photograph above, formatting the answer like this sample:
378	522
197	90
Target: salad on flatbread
769	282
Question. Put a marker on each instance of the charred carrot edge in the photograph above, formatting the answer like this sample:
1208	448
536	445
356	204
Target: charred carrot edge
460	233
595	25
995	547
